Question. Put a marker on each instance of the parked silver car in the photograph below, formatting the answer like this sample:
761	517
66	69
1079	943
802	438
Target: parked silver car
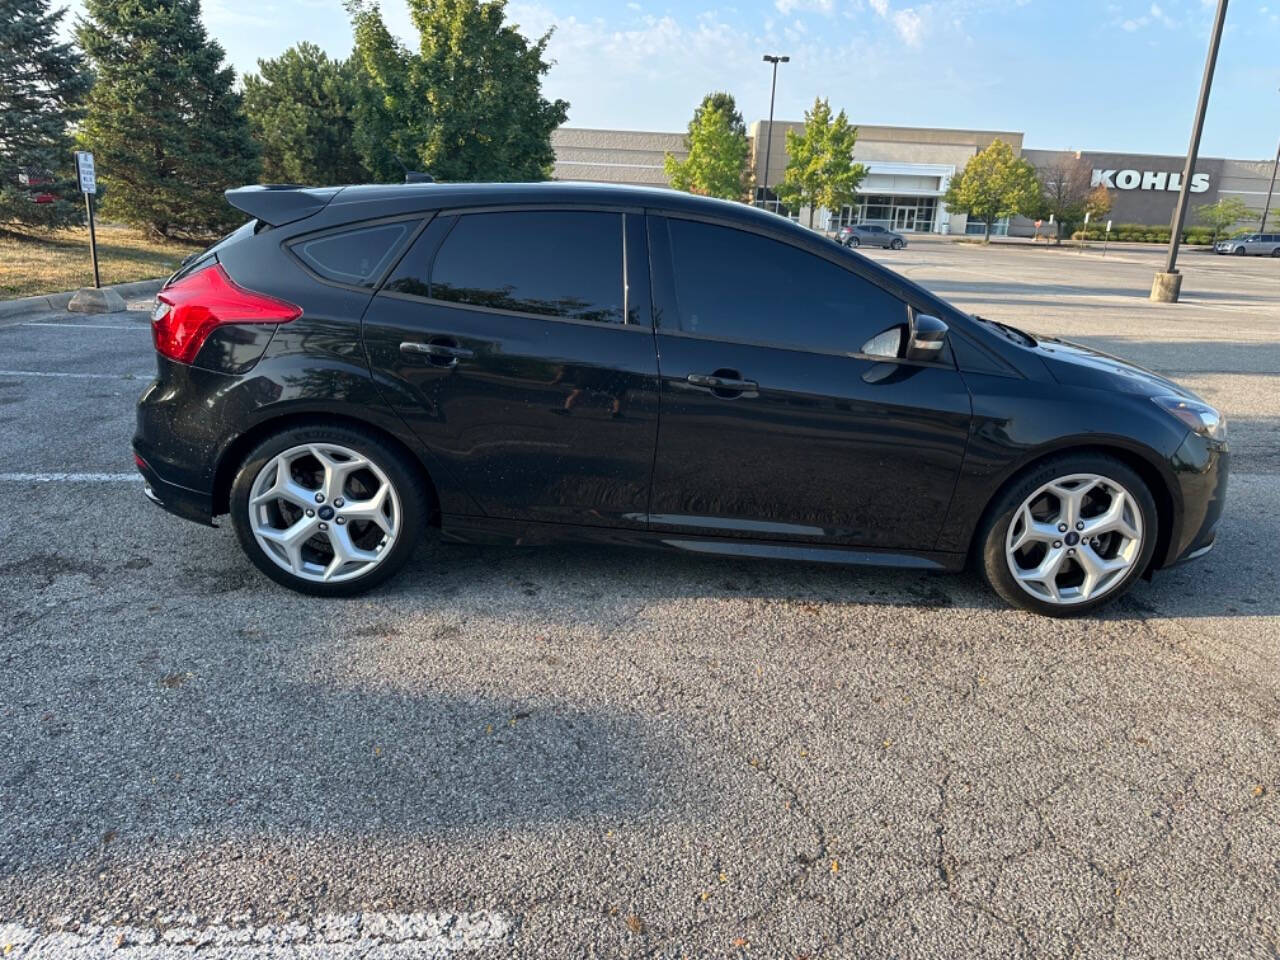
855	235
1255	244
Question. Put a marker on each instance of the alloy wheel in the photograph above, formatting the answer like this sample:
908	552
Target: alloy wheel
324	512
1074	539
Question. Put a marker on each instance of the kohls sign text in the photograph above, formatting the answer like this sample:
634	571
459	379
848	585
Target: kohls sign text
1147	180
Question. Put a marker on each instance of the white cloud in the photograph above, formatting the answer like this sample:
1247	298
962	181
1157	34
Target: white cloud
881	7
818	6
909	25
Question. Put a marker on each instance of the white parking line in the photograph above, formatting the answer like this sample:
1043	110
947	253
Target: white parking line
69	477
75	376
89	326
426	936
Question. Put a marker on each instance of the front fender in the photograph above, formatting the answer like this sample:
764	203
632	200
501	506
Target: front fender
1019	422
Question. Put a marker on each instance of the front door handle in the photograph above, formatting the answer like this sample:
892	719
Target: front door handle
444	353
725	384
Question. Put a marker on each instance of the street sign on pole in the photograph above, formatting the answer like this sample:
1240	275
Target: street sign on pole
89	186
1106	239
85	171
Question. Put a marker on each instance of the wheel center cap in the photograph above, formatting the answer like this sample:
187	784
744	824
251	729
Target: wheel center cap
326	513
1072	538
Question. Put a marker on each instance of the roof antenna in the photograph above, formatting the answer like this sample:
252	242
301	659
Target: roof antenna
413	176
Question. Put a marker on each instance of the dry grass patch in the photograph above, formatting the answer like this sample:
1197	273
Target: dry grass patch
50	262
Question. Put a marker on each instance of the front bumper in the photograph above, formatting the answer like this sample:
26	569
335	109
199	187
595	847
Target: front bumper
1201	467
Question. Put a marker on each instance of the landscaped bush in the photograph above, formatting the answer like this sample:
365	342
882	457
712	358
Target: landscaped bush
1140	233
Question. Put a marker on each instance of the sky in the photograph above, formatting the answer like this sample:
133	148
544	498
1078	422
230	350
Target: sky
1115	75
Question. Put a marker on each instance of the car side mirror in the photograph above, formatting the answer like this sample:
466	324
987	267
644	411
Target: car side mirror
928	335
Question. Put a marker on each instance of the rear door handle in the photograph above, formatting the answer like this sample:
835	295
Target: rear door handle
444	353
724	386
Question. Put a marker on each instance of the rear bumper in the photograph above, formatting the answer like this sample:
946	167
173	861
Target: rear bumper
193	505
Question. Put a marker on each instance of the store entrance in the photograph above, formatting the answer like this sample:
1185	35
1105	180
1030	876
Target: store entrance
902	213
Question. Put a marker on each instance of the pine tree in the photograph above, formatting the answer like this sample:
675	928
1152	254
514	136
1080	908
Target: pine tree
301	111
167	130
468	105
42	86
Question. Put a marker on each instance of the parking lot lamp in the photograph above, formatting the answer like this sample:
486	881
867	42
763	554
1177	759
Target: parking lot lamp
1271	185
1166	286
768	143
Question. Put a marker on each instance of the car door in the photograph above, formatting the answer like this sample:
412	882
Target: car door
774	423
513	346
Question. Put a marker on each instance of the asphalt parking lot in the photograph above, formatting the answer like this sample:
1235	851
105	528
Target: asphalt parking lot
593	752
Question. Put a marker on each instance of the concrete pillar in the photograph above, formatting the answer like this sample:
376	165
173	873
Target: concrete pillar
96	300
1165	287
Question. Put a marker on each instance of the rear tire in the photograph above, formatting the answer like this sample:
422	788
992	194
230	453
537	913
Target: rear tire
1276	252
330	511
853	242
1065	570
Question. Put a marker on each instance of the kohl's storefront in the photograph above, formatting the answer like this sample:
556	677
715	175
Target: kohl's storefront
910	169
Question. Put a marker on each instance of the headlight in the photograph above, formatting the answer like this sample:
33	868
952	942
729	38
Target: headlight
1200	417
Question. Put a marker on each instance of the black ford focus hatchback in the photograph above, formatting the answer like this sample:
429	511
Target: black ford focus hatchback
530	363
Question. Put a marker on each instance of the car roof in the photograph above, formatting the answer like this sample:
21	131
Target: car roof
426	196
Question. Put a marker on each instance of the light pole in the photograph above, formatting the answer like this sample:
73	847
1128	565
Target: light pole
1166	286
1270	187
768	143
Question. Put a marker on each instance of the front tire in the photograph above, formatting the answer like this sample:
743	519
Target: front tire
328	511
1239	251
1069	535
896	245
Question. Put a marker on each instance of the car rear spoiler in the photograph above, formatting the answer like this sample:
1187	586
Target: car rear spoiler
280	203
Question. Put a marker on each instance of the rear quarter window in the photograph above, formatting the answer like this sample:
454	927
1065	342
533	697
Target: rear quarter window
357	256
545	263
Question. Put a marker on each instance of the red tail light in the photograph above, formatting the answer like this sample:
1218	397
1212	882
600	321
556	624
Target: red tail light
191	309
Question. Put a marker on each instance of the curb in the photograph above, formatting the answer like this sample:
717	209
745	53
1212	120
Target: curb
58	301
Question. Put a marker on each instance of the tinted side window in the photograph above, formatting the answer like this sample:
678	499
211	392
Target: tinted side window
358	256
551	263
734	285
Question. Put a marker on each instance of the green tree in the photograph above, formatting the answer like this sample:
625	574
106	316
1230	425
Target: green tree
994	184
1064	192
42	85
724	102
1223	215
467	105
301	109
165	125
1098	204
716	165
820	169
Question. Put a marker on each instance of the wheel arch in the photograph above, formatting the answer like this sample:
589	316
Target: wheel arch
236	451
1168	509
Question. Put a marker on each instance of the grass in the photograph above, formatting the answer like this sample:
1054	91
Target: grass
39	262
